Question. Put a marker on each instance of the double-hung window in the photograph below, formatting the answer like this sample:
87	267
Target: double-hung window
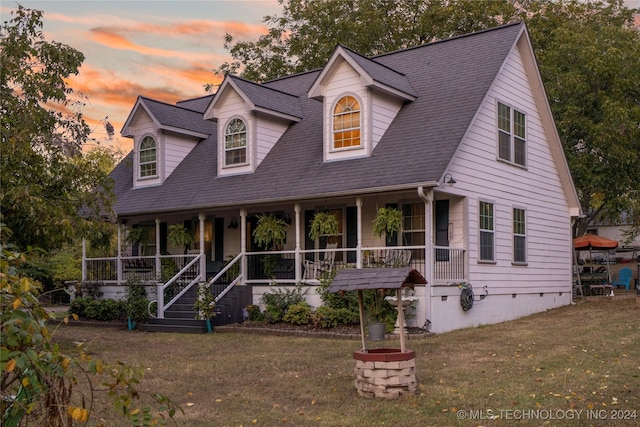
512	143
147	157
235	143
519	236
487	231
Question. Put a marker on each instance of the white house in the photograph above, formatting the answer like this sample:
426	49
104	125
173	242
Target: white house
456	134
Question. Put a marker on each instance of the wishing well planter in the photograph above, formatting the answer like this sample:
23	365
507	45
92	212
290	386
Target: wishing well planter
386	373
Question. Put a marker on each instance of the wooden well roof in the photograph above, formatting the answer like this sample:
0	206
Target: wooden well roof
354	279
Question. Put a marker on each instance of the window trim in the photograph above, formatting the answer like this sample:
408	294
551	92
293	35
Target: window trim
360	127
145	163
511	135
515	235
491	231
225	150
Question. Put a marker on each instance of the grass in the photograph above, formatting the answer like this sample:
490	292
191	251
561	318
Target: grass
584	358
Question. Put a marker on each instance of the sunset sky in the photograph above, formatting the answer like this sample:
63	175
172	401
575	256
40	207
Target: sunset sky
165	50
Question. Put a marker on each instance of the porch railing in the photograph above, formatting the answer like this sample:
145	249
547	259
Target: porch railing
285	267
179	284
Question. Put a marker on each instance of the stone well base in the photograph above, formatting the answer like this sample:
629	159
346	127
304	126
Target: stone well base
385	373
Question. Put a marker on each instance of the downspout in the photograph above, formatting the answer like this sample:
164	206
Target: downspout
84	259
428	250
158	264
298	258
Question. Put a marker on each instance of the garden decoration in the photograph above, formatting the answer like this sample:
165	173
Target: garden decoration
393	372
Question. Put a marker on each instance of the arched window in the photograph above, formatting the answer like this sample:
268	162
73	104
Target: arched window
346	123
148	157
235	143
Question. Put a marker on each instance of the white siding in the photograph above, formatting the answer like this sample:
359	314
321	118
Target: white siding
383	110
176	149
269	132
234	106
144	126
346	81
536	188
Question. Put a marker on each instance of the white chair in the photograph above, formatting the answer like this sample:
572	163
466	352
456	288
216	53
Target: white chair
315	269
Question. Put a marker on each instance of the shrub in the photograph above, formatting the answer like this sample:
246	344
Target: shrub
79	306
255	314
298	314
278	302
328	317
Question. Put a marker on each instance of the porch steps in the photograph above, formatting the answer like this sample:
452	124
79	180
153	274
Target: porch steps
181	317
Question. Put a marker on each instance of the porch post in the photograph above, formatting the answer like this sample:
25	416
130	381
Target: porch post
359	233
84	259
298	260
203	261
428	250
119	260
158	265
243	243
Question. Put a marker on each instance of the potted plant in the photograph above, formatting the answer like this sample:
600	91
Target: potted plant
378	311
205	304
323	224
180	236
138	236
270	234
136	304
387	221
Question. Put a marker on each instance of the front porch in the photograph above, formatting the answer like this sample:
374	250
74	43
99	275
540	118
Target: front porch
171	276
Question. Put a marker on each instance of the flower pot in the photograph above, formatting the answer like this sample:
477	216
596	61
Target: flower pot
376	331
131	324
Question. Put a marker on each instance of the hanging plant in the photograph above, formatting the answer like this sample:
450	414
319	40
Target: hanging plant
179	236
270	232
387	222
138	236
323	224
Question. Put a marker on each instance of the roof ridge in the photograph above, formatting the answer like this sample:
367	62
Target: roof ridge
262	85
169	105
460	36
370	58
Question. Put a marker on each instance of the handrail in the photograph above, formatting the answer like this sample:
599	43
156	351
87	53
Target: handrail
161	288
223	271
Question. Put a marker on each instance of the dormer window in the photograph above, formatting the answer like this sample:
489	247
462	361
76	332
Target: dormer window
148	158
346	123
235	143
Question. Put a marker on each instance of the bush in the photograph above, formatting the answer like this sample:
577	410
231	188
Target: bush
298	314
328	317
105	310
255	314
278	302
79	306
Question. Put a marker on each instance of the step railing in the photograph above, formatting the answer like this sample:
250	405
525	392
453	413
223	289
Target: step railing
178	285
232	268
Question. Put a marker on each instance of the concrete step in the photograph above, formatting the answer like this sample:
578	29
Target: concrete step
192	326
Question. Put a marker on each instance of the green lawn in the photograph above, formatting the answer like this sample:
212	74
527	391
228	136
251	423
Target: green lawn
574	366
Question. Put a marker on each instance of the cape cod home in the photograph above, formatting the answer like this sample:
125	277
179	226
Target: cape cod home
457	135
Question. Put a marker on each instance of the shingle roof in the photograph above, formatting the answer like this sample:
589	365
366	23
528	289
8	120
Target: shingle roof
177	117
450	77
354	279
268	98
199	104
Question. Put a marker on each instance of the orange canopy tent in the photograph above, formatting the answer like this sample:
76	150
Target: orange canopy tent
590	242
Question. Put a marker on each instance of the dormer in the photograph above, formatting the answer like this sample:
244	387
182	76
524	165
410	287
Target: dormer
251	119
163	135
360	99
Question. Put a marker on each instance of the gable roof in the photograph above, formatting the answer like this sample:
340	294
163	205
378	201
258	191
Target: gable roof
415	150
199	104
260	98
170	117
377	75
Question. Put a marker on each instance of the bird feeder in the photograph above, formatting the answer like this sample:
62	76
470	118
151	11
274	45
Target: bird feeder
381	372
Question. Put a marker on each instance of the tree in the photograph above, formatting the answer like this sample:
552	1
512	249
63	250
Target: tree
588	54
46	177
40	383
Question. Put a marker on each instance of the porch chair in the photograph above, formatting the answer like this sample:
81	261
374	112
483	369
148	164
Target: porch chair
314	269
624	278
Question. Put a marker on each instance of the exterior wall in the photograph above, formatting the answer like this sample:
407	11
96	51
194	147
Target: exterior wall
268	133
234	106
537	188
383	110
175	150
346	81
144	126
